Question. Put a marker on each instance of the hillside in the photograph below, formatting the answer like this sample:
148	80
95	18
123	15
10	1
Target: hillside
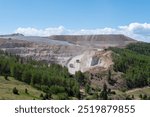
96	40
134	64
140	93
6	90
79	71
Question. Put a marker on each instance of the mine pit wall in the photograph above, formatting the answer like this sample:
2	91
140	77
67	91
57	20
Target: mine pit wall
89	60
95	61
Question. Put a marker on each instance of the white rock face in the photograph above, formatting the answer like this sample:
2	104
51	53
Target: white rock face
84	62
74	64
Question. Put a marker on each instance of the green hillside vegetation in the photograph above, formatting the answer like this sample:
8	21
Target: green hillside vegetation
55	80
134	63
141	48
6	90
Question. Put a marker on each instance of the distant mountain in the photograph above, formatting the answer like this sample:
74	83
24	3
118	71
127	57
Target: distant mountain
37	39
14	34
92	41
96	40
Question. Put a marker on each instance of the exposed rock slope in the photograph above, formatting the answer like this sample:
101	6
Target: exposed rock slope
90	60
100	41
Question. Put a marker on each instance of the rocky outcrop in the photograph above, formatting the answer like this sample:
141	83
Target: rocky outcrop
90	60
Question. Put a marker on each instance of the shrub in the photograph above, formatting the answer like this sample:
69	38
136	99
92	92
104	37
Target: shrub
41	95
15	91
26	91
6	77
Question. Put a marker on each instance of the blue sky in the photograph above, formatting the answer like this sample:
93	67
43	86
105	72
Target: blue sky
72	14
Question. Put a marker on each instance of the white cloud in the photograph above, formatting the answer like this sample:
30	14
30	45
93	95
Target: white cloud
137	28
42	32
137	31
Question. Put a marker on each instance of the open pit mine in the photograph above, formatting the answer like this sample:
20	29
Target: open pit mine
76	52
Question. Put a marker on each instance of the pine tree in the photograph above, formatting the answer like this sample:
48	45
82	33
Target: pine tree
104	93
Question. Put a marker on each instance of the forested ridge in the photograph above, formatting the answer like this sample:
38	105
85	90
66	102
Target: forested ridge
141	48
134	62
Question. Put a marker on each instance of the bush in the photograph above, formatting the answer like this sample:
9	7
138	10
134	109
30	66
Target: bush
26	91
132	97
144	97
41	95
140	96
6	77
46	96
113	92
15	91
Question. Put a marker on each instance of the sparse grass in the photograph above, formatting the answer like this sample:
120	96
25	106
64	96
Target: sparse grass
136	92
6	87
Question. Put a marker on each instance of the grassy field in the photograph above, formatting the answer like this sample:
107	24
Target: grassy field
6	87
